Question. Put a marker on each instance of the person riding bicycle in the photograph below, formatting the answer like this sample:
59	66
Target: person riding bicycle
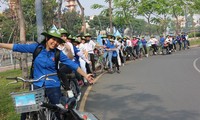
45	64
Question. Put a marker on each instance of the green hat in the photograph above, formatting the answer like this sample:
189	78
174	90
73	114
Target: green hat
152	36
110	35
118	37
103	36
53	33
76	40
63	31
112	40
87	35
82	38
71	37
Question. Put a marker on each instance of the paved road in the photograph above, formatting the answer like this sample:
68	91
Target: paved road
156	88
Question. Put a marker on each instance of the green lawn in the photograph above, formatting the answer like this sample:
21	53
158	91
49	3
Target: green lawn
7	111
195	42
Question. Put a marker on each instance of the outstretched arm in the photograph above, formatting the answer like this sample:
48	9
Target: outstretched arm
89	77
6	46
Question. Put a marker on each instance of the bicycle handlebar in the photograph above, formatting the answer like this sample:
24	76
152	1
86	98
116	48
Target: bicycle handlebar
31	80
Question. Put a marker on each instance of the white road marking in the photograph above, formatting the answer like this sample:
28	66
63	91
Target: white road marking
195	66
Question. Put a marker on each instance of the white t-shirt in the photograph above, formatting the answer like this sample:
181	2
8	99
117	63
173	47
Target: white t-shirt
63	48
90	46
128	43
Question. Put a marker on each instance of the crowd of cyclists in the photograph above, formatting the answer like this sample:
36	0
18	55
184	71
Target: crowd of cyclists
81	52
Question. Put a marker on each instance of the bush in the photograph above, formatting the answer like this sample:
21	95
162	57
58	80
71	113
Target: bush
192	34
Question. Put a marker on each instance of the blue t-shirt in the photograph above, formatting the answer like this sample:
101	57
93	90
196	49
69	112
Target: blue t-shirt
114	53
144	42
162	40
76	57
44	63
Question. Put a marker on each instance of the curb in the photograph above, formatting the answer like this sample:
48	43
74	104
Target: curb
87	91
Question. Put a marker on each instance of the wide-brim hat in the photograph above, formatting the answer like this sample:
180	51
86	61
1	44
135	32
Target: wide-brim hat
76	40
103	36
83	38
63	31
87	35
134	36
110	35
53	33
71	37
112	40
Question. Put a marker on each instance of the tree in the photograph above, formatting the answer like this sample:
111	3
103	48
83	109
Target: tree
99	22
146	9
71	21
82	16
106	12
21	20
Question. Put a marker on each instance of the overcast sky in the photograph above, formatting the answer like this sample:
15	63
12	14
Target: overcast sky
85	3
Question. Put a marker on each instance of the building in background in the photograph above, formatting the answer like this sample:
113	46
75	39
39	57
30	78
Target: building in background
71	5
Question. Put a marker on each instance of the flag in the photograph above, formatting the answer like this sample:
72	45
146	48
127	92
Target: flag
117	34
99	40
54	27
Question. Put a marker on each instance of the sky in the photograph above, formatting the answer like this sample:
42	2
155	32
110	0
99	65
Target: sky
85	3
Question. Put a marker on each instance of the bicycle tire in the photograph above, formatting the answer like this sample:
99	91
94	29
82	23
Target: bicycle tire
73	86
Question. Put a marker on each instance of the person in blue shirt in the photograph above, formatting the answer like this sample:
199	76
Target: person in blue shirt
179	40
45	64
112	49
162	41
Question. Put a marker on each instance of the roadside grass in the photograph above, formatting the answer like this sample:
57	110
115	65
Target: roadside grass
7	109
195	42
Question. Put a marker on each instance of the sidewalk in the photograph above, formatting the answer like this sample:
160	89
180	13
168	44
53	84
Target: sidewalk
10	67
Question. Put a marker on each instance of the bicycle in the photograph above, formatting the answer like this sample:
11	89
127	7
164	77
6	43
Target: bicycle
67	111
28	102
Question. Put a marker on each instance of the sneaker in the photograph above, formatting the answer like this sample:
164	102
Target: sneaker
78	97
118	71
70	94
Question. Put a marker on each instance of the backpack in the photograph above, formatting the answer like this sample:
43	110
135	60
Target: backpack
36	53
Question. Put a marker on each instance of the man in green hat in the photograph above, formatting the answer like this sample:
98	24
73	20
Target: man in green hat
90	46
66	47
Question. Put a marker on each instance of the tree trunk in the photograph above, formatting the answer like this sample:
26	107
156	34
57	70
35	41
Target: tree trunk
82	16
110	14
22	39
59	14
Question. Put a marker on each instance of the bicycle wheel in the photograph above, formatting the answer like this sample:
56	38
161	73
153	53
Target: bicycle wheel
38	115
73	86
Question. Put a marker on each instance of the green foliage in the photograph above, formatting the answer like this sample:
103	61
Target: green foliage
71	21
99	22
192	35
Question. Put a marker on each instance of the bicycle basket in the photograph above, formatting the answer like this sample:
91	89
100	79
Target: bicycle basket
28	101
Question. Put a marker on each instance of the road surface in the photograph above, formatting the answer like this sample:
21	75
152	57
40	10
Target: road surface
155	88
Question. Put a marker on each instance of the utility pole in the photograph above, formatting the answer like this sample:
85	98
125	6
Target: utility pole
39	19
